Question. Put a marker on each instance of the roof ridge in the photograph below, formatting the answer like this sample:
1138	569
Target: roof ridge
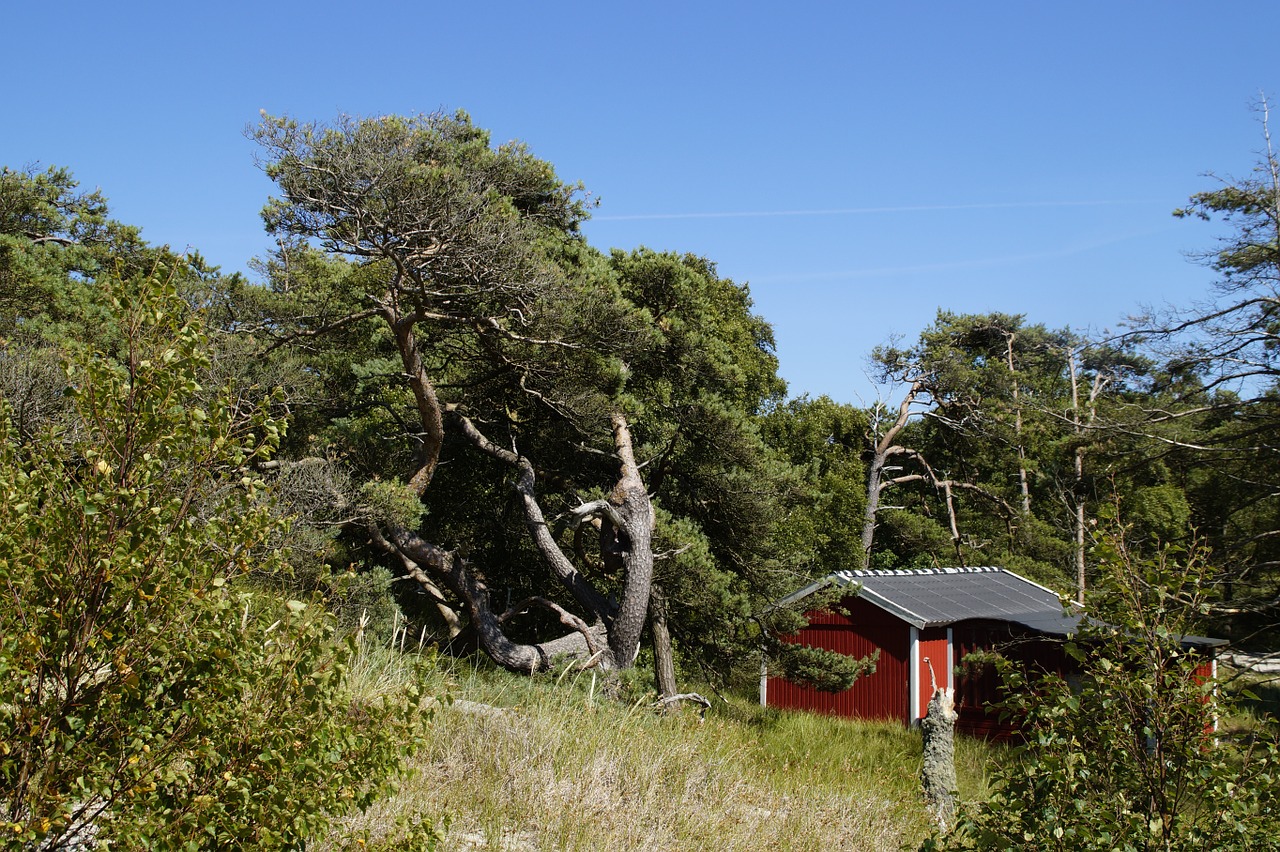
919	572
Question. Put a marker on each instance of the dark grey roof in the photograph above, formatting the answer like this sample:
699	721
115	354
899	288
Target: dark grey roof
942	596
936	597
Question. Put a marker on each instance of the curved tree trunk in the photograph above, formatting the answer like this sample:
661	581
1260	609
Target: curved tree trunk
584	642
873	507
882	447
535	521
611	633
626	539
430	412
626	532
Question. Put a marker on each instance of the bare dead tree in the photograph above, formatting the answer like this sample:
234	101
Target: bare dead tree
886	448
1083	416
884	436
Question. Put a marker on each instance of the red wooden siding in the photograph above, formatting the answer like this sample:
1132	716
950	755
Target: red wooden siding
977	684
933	647
882	695
1208	670
978	689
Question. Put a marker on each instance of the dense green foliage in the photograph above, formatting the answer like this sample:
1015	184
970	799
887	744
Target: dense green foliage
151	696
1126	756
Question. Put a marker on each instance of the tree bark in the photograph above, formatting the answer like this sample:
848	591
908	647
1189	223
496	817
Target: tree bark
613	637
462	582
882	448
1023	479
953	523
416	553
535	521
626	532
1099	384
630	545
430	412
947	488
938	771
664	667
671	703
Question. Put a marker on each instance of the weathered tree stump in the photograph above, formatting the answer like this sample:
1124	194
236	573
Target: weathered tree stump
938	773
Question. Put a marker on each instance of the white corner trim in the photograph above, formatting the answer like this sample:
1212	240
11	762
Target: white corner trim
764	678
913	673
951	662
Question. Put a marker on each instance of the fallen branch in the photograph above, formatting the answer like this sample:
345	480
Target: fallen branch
567	618
692	697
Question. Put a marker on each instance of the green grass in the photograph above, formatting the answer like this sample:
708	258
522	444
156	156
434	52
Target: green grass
560	767
1254	701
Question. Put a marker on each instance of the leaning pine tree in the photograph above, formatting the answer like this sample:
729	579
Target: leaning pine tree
459	256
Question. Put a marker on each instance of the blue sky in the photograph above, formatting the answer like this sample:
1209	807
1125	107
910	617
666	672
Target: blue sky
859	165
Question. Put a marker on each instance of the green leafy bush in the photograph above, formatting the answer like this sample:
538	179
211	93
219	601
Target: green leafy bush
1127	757
146	696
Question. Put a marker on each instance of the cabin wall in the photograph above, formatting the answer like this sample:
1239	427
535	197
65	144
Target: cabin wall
883	694
978	688
932	655
912	659
977	684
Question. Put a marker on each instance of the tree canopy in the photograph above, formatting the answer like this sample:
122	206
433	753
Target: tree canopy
516	383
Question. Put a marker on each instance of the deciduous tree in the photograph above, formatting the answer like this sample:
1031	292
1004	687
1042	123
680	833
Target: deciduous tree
149	696
1126	757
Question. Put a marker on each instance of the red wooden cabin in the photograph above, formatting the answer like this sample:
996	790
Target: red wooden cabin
924	623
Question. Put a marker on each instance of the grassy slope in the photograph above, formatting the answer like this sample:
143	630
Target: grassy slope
561	768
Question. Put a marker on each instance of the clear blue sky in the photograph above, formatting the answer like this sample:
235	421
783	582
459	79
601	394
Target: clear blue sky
859	164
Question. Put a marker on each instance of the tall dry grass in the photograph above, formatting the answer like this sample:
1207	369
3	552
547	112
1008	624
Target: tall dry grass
548	764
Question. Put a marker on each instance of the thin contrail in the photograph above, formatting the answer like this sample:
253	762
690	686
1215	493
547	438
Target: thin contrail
848	211
968	263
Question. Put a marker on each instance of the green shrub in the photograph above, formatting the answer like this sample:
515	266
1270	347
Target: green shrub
145	694
823	669
1126	757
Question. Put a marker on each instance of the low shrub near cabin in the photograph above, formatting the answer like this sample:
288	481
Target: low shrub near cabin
1127	758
